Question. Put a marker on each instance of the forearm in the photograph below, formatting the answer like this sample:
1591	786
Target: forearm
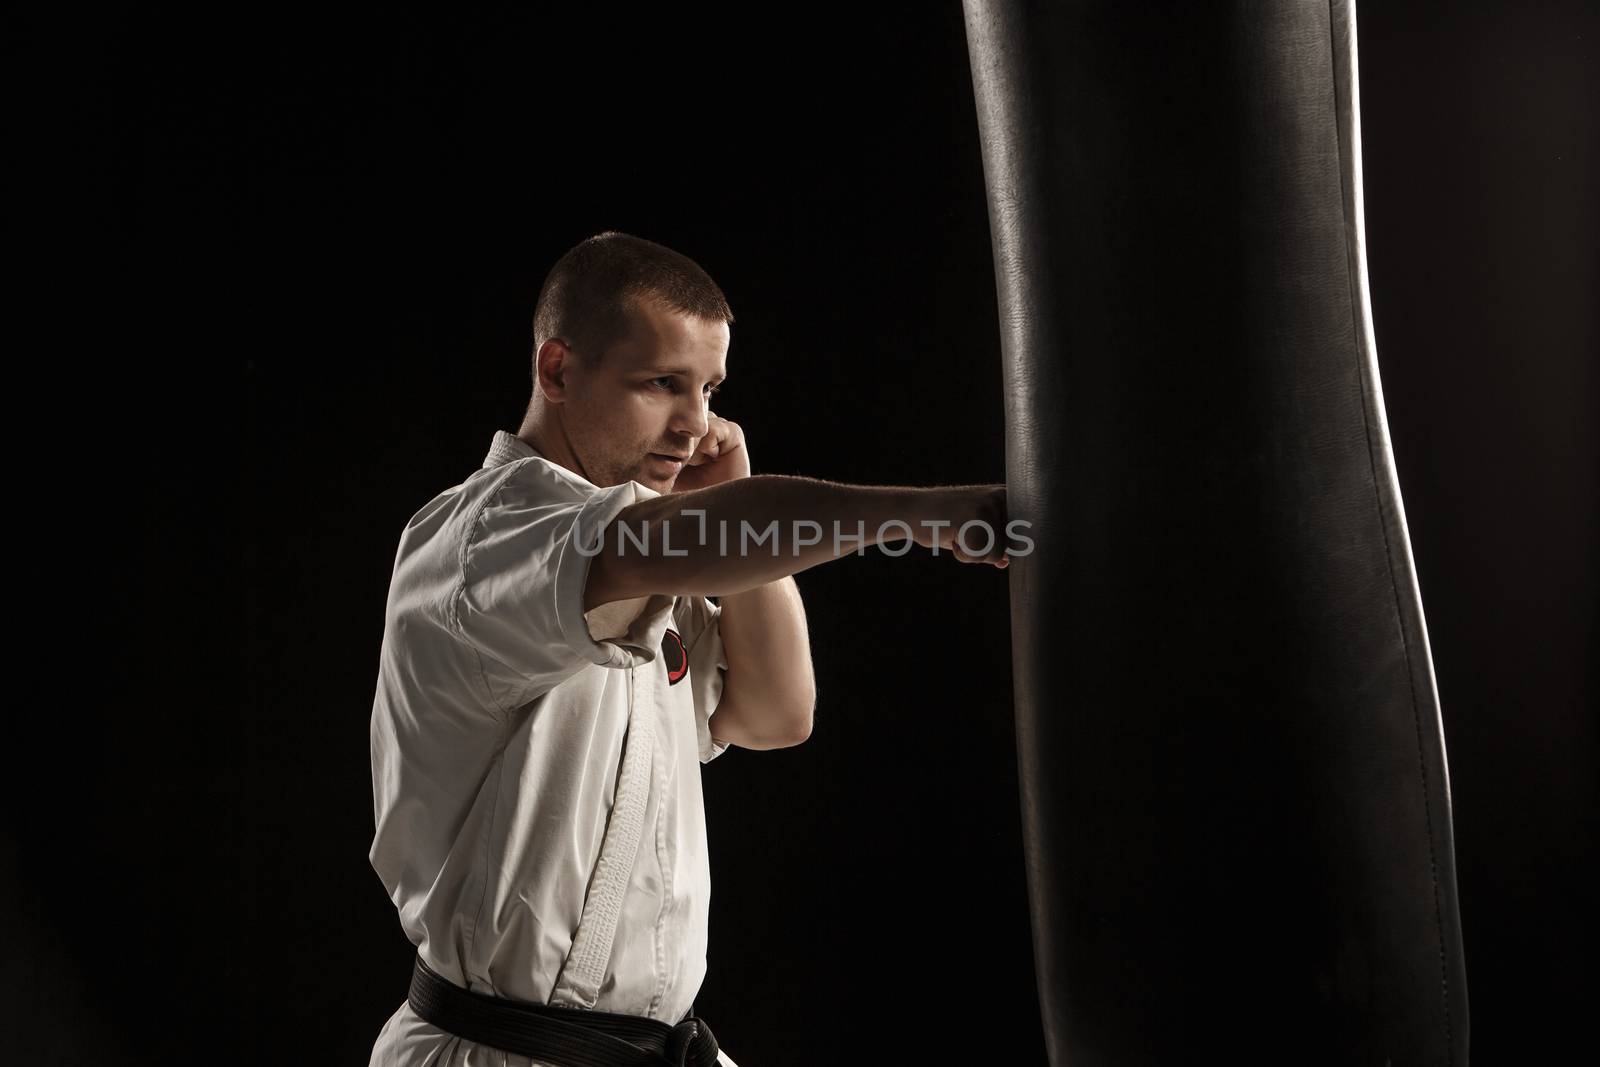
740	535
770	678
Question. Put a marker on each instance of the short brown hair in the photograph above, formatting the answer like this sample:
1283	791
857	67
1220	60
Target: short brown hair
585	297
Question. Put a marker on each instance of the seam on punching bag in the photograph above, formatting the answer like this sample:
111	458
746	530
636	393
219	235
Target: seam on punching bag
1364	345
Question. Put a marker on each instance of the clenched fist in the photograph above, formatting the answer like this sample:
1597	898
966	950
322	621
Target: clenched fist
720	457
948	513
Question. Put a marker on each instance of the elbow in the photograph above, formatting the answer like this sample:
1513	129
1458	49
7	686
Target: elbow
800	721
766	716
779	727
796	731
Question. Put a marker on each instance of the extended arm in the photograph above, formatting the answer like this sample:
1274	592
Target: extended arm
736	536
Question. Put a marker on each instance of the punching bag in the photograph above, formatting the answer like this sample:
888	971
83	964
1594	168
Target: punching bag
1236	810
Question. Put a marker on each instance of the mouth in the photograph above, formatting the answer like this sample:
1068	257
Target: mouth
672	463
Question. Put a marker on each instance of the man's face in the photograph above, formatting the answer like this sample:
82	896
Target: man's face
648	398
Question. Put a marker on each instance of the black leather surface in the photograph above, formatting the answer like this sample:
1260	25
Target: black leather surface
1235	801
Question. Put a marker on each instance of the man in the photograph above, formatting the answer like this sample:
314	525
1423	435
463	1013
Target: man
552	675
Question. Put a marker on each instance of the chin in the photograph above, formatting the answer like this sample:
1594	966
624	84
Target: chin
643	476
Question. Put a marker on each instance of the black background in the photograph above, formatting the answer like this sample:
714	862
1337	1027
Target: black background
300	262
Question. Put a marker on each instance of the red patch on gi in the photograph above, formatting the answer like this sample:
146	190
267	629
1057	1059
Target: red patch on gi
676	659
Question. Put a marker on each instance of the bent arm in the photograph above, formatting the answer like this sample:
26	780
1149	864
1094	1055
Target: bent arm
771	691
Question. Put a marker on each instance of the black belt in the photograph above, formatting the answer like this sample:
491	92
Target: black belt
570	1037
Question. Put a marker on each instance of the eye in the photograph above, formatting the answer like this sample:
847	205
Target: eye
670	384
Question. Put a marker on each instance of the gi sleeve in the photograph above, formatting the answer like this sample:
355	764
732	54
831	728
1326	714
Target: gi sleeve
524	564
699	624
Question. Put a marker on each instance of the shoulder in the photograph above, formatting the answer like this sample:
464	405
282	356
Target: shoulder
536	479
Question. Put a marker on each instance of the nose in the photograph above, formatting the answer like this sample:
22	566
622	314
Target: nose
690	416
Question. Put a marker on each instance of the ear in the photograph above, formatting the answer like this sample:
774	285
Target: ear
552	364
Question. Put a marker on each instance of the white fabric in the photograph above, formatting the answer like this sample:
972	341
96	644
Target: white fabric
535	774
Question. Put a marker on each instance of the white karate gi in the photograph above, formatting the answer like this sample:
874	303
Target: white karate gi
536	770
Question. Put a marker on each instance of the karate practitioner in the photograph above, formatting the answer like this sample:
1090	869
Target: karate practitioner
552	675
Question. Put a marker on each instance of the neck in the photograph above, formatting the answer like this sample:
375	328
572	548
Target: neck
548	436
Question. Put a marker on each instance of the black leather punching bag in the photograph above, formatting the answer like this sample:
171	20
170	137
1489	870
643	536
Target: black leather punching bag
1235	802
